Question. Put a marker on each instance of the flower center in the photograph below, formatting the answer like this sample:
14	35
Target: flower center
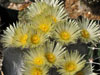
54	19
85	33
44	27
50	57
35	39
23	39
36	71
38	60
80	73
65	35
70	66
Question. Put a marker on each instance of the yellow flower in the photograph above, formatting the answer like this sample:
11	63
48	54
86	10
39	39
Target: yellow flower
85	34
56	9
54	53
49	8
44	27
33	70
89	31
50	57
35	9
37	71
7	37
35	57
87	70
55	13
16	36
66	32
21	36
54	19
65	35
37	38
43	24
72	64
38	60
23	39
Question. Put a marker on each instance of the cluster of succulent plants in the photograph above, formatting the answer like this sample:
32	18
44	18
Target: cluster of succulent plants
45	33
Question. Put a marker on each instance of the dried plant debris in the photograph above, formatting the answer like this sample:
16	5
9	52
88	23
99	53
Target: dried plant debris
20	6
94	5
91	2
77	8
